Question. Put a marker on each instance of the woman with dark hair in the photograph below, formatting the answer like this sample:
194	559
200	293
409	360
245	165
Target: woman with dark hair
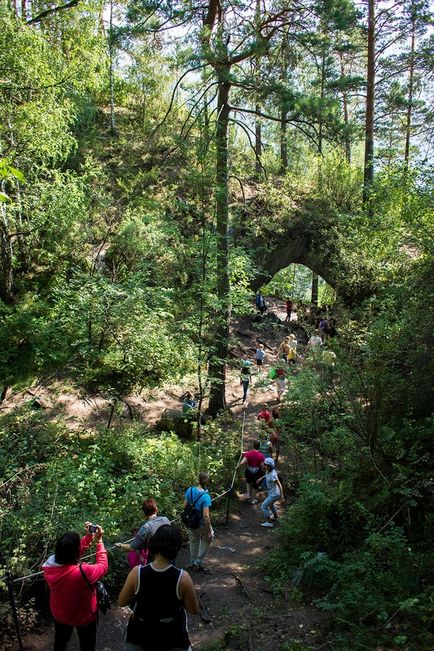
73	603
139	547
162	593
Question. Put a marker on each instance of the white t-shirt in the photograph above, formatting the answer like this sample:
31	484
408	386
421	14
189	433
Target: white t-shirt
272	487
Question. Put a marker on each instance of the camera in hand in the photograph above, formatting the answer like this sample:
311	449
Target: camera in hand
92	528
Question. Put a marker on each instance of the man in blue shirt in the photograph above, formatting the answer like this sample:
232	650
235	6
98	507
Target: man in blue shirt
201	538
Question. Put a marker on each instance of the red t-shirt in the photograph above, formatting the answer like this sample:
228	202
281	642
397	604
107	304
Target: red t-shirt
264	415
254	458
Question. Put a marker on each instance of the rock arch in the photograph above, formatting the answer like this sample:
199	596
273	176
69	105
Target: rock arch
313	236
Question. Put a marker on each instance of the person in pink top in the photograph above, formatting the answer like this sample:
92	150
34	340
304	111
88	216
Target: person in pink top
264	414
73	603
253	460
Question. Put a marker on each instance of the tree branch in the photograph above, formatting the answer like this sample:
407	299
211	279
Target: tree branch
172	99
243	126
53	10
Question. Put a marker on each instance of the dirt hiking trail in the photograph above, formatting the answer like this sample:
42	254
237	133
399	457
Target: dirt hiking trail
239	611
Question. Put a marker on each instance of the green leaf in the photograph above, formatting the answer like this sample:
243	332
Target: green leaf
17	173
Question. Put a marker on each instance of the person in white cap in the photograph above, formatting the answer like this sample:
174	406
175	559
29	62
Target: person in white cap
275	493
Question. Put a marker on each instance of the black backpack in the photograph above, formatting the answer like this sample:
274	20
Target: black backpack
190	516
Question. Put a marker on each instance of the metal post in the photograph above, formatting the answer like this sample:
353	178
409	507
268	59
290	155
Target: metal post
14	608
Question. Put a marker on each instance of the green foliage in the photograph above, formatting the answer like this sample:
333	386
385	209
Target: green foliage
53	480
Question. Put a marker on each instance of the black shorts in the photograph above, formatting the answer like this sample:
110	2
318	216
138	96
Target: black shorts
259	362
252	477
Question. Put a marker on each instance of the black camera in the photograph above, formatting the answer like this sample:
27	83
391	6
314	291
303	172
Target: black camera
92	528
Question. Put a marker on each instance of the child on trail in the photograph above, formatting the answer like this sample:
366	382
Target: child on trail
260	356
245	378
275	493
253	460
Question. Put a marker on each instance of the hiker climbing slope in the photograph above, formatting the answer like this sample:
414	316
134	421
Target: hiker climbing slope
201	537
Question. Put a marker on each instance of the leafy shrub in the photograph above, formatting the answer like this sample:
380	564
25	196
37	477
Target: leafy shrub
54	480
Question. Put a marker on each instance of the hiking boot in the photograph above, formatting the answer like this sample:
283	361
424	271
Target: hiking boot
269	525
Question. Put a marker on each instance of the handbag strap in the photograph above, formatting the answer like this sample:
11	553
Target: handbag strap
83	574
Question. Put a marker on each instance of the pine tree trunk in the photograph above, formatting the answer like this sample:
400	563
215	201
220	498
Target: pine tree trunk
410	94
283	140
6	257
346	114
369	119
217	365
258	145
111	74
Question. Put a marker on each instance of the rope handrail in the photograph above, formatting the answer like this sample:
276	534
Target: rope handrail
112	547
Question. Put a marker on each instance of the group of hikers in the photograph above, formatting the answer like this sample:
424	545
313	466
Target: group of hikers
158	592
287	356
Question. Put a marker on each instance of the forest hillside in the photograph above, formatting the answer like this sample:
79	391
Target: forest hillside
163	168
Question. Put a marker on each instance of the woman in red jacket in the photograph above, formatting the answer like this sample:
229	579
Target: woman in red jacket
72	602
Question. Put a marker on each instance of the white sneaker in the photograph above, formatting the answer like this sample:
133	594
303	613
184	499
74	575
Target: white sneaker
267	524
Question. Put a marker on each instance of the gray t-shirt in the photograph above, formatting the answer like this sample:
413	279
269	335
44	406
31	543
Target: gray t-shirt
146	531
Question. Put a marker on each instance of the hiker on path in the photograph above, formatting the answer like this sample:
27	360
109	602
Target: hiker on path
190	409
323	330
315	342
265	445
245	378
283	350
260	356
138	549
73	602
260	303
280	381
275	493
253	460
289	307
162	593
189	406
292	348
201	538
265	414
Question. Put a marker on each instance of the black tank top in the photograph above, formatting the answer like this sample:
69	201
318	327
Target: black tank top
159	620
